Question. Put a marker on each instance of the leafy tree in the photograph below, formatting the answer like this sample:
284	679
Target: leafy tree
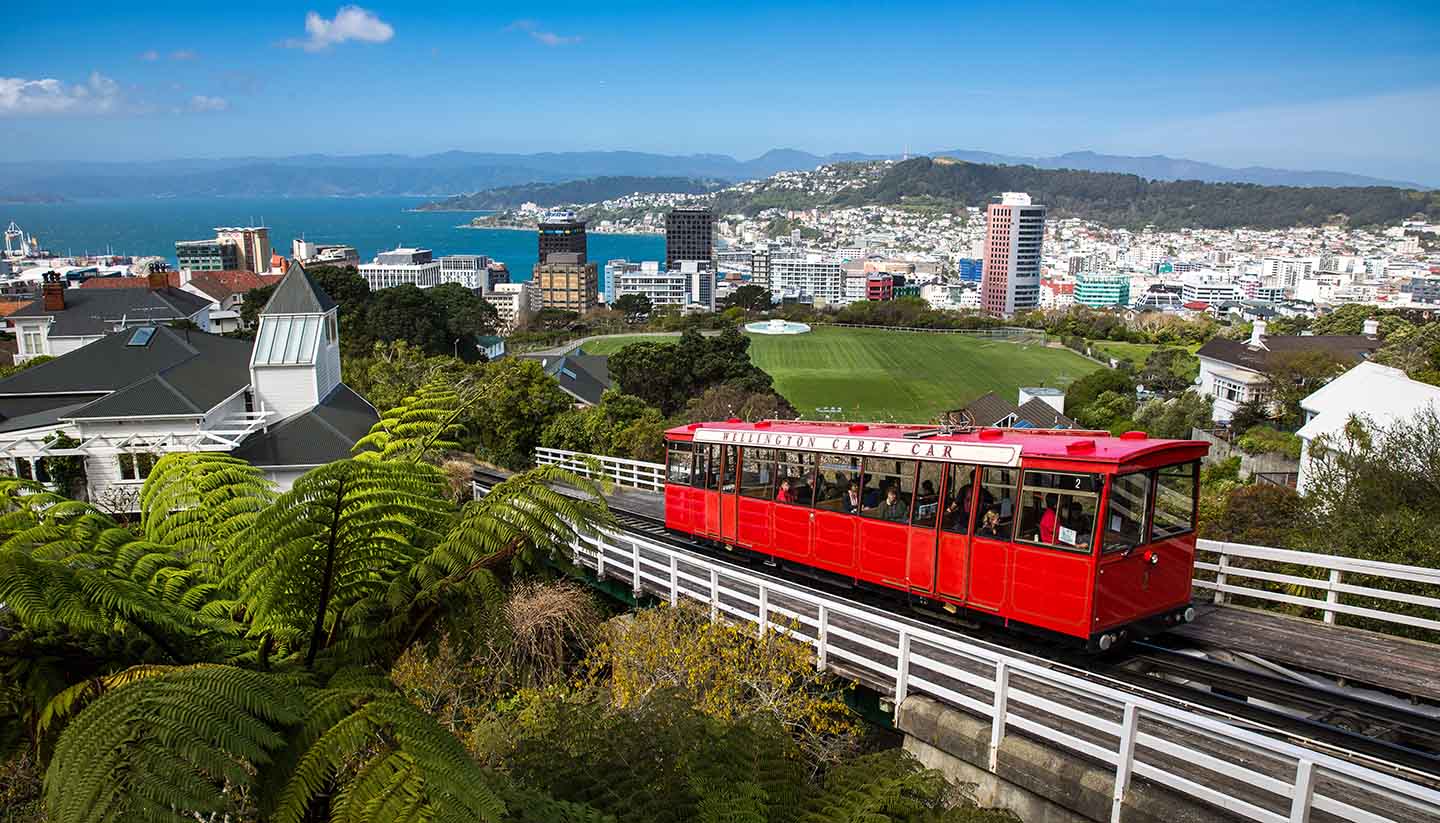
1111	411
725	401
667	375
1175	417
633	305
553	319
514	404
622	425
406	313
749	298
1165	371
390	372
1265	439
1415	350
467	315
1250	414
1291	377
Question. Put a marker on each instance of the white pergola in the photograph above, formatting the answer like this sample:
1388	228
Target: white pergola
232	432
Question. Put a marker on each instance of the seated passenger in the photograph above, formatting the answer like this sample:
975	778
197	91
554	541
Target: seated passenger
927	489
1082	525
1049	519
785	494
852	501
990	526
892	508
957	517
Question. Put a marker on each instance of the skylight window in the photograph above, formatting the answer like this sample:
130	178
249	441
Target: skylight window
141	336
287	340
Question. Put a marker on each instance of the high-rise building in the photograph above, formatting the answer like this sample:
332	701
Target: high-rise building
401	267
1098	290
1014	234
515	304
561	232
252	246
663	288
760	268
814	276
206	255
699	282
499	273
469	270
970	269
689	235
567	282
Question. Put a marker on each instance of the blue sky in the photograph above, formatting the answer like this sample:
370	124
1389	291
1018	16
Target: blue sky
1347	86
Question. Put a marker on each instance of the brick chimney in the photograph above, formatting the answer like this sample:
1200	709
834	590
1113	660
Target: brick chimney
53	292
158	280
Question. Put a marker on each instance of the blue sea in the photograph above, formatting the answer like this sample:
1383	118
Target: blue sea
370	224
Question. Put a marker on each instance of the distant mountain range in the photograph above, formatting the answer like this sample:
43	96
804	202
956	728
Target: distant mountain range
457	172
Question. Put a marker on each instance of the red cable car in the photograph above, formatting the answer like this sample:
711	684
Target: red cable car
1076	532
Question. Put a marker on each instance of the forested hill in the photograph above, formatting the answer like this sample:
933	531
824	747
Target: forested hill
1128	200
592	190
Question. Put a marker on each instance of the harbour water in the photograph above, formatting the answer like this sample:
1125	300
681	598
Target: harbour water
370	224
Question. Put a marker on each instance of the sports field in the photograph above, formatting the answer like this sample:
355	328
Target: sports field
908	377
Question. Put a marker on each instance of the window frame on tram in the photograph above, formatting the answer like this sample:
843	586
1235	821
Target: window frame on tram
849	469
934	473
806	462
685	451
762	461
1140	518
1067	488
960	476
1175	470
994	476
906	471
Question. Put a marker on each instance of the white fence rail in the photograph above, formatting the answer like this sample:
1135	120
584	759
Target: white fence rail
1210	760
637	474
1258	564
1323	573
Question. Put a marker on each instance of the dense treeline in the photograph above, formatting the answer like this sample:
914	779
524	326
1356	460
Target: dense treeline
591	190
1129	200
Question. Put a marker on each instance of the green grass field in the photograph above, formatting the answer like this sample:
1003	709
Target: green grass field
906	377
613	343
1137	352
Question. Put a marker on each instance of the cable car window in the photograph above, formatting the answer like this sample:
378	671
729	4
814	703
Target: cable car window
712	468
888	490
959	498
1125	518
995	516
837	485
730	467
927	496
1174	501
1059	509
794	477
757	468
678	467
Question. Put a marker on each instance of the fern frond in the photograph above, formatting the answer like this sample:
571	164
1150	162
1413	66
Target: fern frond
197	502
422	424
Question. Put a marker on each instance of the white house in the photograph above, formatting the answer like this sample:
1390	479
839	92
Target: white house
63	320
1377	394
132	395
1233	372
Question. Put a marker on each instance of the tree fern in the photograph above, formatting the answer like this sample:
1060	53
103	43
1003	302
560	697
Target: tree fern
197	503
339	536
423	424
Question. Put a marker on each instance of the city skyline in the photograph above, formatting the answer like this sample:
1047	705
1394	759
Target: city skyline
1322	86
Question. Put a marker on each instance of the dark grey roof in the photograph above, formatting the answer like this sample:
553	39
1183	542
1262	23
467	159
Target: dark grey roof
298	294
93	312
990	409
1345	347
320	435
1042	415
175	373
583	376
45	417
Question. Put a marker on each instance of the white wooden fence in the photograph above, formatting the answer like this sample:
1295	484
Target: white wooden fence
637	474
1318	572
1206	758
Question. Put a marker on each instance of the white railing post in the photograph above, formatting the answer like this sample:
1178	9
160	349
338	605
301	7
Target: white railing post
1332	596
1304	792
674	580
763	617
902	670
822	632
1125	762
600	556
1001	705
714	593
1221	577
635	568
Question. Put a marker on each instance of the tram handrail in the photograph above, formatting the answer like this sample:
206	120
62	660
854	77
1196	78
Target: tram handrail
1275	780
1324	573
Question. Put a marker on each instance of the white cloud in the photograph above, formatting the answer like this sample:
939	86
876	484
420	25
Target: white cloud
183	54
97	95
539	35
201	102
150	55
349	23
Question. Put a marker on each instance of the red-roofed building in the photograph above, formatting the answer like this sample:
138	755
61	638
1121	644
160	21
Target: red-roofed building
224	289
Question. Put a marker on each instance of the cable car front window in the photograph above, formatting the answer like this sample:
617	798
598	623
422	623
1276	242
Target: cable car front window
1174	501
677	470
1125	518
1059	509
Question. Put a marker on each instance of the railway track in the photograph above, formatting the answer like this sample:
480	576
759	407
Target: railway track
1378	735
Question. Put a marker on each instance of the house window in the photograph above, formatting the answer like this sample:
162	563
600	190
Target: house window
331	334
34	341
135	465
27	468
1229	390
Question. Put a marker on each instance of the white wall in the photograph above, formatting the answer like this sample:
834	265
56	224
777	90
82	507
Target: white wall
285	390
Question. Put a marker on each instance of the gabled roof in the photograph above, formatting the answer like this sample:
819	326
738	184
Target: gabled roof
93	312
1346	347
220	285
990	409
175	373
172	279
1379	393
298	294
319	435
584	377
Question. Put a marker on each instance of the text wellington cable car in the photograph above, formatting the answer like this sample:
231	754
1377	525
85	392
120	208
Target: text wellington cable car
1080	533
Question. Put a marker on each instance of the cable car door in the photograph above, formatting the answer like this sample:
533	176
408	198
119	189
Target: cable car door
729	494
